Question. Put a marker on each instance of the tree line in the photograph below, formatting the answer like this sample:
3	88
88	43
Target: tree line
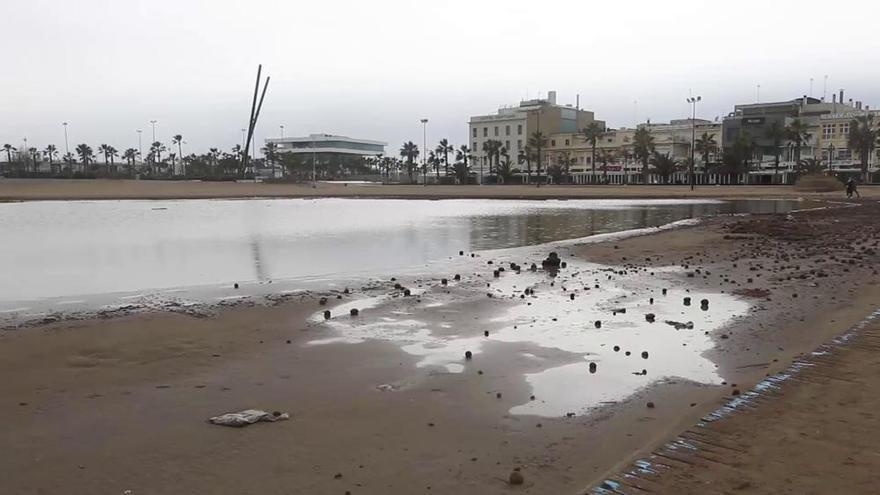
449	164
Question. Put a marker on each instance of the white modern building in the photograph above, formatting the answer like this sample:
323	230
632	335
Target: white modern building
328	146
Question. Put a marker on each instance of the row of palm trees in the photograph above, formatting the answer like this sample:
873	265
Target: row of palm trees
84	159
500	164
864	139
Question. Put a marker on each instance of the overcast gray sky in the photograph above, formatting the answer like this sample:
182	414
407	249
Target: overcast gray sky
372	69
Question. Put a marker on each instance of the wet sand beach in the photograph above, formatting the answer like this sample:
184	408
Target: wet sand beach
116	404
60	189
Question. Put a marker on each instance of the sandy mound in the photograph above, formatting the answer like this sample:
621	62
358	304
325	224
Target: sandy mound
818	183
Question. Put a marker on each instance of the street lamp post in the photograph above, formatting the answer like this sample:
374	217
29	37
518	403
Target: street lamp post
140	145
314	167
693	101
831	158
153	123
67	150
424	151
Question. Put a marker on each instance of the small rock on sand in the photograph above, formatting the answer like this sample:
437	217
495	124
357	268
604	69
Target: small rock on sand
516	478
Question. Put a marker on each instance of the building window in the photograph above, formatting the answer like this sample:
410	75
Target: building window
518	143
475	147
552	142
507	145
827	131
496	131
519	130
485	132
475	132
507	130
566	142
844	129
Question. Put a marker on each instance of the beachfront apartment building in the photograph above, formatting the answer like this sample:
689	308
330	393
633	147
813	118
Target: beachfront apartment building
513	126
827	125
615	157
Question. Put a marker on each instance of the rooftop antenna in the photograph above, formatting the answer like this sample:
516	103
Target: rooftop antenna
255	115
758	95
825	88
811	87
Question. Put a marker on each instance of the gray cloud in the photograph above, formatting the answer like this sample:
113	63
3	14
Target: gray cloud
373	69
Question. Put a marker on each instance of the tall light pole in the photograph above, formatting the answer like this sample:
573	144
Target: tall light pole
153	123
693	101
67	149
314	168
424	151
282	130
140	146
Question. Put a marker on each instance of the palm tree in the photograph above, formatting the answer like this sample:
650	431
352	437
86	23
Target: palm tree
50	152
643	148
270	151
776	133
592	133
8	148
215	159
664	166
130	155
156	150
462	154
112	153
505	168
34	154
538	141
444	148
705	146
102	149
492	149
809	166
409	151
605	157
526	155
178	139
85	154
863	139
796	132
434	161
68	157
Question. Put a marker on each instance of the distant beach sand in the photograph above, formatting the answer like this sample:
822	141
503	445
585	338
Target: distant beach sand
60	189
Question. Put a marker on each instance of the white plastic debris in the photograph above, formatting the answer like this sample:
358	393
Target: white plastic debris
247	417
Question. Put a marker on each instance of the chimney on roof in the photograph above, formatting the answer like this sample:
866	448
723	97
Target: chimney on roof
841	96
834	98
551	97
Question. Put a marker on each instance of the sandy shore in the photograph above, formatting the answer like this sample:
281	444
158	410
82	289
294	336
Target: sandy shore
27	189
813	432
104	406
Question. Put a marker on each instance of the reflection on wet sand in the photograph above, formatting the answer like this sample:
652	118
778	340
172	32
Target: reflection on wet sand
594	320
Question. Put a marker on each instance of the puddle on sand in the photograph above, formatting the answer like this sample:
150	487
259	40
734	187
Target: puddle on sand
548	317
555	320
